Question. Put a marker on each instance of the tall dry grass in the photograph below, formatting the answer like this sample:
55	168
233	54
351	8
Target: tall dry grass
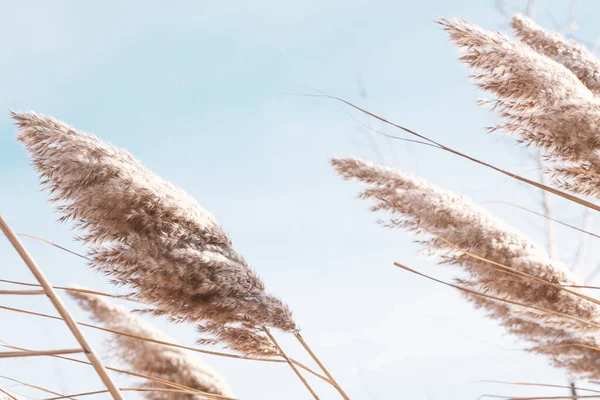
151	237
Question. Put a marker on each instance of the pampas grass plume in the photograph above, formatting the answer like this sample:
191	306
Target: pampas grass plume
152	359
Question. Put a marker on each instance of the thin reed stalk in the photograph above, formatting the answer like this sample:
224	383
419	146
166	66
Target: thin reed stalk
71	289
440	146
320	364
17	354
22	292
538	385
584	231
40	388
515	272
4	395
496	298
291	364
158	390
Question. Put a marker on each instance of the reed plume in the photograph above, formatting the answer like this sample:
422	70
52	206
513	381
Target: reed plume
541	101
151	236
159	361
575	57
466	236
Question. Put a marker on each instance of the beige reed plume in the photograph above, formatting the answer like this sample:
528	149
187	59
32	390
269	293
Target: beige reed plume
151	236
498	261
167	363
575	57
541	100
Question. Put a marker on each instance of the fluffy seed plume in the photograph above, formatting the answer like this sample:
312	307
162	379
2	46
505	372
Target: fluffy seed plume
541	101
152	236
156	360
465	235
575	57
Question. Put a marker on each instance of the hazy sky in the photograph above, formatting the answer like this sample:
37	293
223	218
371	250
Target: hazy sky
207	95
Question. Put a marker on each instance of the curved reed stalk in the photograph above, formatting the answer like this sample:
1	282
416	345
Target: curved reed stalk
438	145
291	364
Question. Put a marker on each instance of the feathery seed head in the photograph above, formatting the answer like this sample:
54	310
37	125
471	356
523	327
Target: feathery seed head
540	96
160	361
457	227
146	233
575	57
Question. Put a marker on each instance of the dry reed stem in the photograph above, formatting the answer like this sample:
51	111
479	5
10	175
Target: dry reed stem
546	206
538	185
513	271
563	345
131	373
53	244
291	364
40	388
122	389
7	395
70	289
17	354
22	292
554	397
320	364
487	296
62	310
542	215
538	384
214	353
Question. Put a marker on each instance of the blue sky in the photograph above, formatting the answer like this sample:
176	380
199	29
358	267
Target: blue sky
208	95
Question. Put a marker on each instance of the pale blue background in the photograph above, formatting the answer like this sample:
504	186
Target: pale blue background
205	94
